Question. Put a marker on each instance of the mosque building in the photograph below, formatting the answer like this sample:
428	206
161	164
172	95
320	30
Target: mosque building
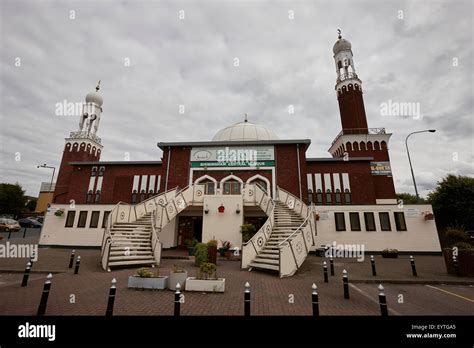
245	175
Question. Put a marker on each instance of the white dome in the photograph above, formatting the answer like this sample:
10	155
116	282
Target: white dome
94	97
340	45
244	131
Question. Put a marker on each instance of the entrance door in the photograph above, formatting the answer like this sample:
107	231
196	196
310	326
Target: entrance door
189	227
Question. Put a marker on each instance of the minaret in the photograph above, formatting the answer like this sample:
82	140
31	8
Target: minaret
82	145
349	89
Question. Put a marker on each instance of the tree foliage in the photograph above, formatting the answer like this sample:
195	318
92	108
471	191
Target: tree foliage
408	198
12	199
453	202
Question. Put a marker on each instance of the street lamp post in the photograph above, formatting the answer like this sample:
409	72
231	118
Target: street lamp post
409	159
52	177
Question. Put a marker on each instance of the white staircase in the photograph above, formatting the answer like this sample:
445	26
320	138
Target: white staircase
284	241
286	223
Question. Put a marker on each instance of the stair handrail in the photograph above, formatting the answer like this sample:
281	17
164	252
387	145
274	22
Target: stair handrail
271	212
107	236
154	237
300	227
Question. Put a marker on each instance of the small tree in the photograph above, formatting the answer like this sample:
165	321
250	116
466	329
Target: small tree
408	198
12	199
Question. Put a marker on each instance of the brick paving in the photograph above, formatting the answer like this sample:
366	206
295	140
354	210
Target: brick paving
270	294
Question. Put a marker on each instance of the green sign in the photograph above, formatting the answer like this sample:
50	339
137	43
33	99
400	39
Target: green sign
233	164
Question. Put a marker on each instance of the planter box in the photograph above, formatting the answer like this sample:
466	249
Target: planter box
177	277
148	283
390	256
205	285
465	262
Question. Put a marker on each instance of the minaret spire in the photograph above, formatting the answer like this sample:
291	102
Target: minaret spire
98	86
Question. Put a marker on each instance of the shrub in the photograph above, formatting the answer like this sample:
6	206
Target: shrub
225	245
212	243
207	271
389	251
463	246
59	212
190	243
248	231
144	273
457	233
200	253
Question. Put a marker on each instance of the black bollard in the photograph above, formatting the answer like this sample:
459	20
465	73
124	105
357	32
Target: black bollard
325	266
413	266
32	261
26	274
345	281
456	265
44	296
78	263
383	302
24	232
372	261
110	304
331	265
315	300
71	260
177	298
9	234
247	300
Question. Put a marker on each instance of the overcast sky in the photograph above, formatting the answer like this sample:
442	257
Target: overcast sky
418	52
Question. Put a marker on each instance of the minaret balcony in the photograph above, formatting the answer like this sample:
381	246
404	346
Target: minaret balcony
346	76
84	135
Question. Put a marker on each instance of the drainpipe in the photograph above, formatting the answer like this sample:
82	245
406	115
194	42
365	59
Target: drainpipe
299	167
168	168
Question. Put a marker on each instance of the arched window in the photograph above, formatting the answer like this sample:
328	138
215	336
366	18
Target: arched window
347	196
89	197
134	196
142	195
319	196
338	196
97	196
231	187
261	181
210	184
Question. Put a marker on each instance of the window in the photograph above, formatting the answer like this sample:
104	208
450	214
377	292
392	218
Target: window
232	187
89	197
134	196
97	196
104	219
369	221
347	196
82	219
400	221
71	214
142	195
94	171
338	196
310	196
319	197
355	221
328	198
101	171
340	221
94	219
261	183
209	186
385	222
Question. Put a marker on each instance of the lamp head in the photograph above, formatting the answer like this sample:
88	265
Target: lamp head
431	130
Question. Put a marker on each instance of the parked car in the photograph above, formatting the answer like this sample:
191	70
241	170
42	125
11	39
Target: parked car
29	222
40	219
9	225
470	233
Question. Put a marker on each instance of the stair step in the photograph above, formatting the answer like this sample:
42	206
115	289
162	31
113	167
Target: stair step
132	252
267	256
131	257
264	266
131	248
136	262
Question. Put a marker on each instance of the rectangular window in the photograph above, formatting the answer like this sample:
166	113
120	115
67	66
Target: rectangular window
94	219
355	221
71	214
369	221
340	221
82	219
347	197
400	221
319	198
338	198
310	197
328	198
104	219
385	222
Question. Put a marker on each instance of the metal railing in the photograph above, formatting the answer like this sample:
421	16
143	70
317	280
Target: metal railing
345	76
358	131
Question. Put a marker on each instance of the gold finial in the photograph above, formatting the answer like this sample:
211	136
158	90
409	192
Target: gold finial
339	34
245	119
98	86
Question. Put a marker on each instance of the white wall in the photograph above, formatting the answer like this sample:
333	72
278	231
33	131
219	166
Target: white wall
168	235
421	234
54	231
223	226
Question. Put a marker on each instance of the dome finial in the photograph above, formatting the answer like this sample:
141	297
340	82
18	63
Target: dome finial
245	119
339	36
98	86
